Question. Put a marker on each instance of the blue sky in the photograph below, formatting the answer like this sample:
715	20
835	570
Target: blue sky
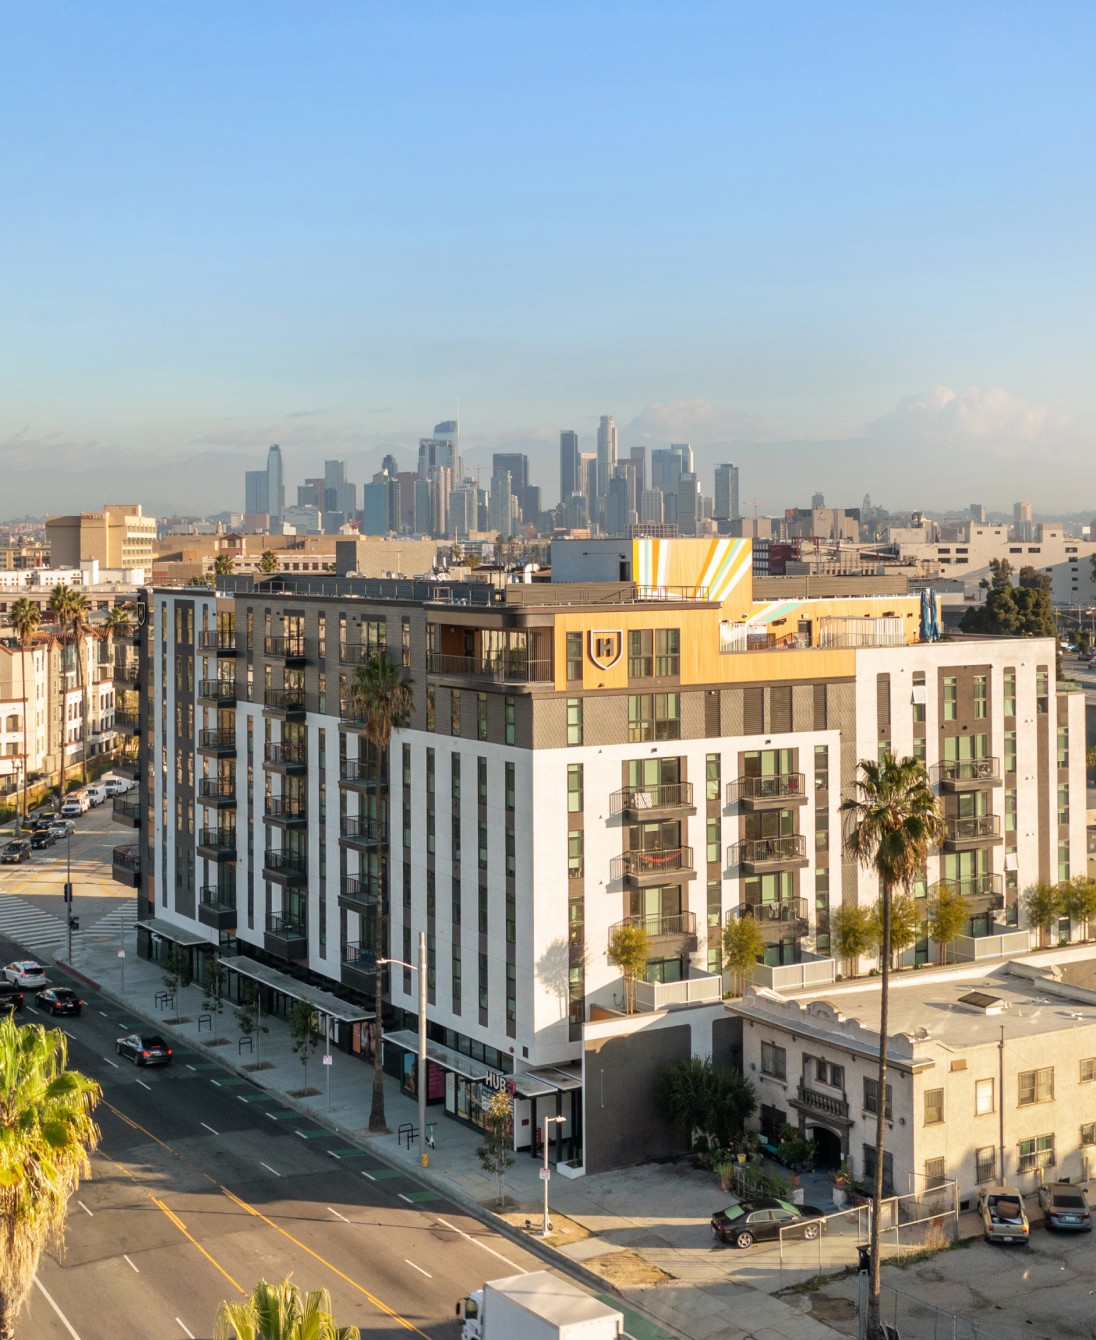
750	225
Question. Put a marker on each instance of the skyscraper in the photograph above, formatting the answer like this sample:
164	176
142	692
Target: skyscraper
500	506
606	453
275	485
256	495
569	481
339	494
441	449
726	493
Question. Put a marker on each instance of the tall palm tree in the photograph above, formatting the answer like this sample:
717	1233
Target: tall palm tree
81	630
61	606
891	824
25	617
223	564
46	1135
383	700
281	1312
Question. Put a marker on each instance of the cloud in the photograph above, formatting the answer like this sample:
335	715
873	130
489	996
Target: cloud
988	418
694	421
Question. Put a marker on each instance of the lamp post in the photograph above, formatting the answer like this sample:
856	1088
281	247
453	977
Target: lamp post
421	970
68	892
545	1172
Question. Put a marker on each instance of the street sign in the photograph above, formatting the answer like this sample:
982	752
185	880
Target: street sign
121	953
329	1060
545	1174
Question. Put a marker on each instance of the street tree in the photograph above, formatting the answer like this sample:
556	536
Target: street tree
905	924
176	966
1079	903
743	949
709	1100
1043	905
281	1312
629	950
304	1033
496	1153
248	1013
25	615
213	983
949	912
853	934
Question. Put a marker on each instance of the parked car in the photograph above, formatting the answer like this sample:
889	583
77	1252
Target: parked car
59	1000
62	828
7	1007
42	838
11	995
1003	1216
26	973
743	1223
72	809
16	851
144	1049
1065	1205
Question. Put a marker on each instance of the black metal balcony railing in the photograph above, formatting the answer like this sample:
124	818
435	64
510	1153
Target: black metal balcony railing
638	864
126	718
768	851
669	796
126	810
286	936
217	639
356	955
287	646
974	828
217	738
217	788
284	755
361	772
290	863
217	907
217	839
127	858
129	673
277	807
660	927
360	829
284	700
821	1102
783	786
985	886
788	910
972	770
356	653
357	890
514	668
217	690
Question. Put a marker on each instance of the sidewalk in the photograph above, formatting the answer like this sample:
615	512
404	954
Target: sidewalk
659	1213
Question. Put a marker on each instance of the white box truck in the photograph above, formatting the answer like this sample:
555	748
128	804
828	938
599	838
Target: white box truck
537	1306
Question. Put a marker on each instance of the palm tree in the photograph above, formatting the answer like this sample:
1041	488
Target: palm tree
25	617
383	700
268	563
223	564
281	1312
891	824
81	629
46	1135
61	606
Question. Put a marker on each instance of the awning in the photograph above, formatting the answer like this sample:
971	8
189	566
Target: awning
555	1077
167	930
322	1001
527	1085
446	1057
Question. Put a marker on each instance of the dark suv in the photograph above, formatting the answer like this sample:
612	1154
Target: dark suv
16	851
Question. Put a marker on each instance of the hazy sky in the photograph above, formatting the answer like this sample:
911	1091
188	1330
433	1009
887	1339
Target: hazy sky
738	223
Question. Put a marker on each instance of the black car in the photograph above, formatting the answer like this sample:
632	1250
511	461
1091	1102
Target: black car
11	997
746	1222
59	1000
42	837
144	1049
16	851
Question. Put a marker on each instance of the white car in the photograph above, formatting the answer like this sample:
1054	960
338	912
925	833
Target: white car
72	809
25	973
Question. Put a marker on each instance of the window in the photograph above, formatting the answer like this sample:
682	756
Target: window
985	1164
574	720
454	776
405	641
934	1107
828	1073
654	716
712	831
1088	1133
919	696
375	634
511	992
1010	751
575	853
454	712
935	1174
654	651
888	1168
871	1097
774	1060
510	710
983	1097
574	788
481	716
1042	692
1010	810
951	697
1063	804
431	720
980	696
711	777
574	657
821	767
1037	1152
511	787
1063	747
481	780
1036	1086
1063	860
482	845
1088	1069
1010	693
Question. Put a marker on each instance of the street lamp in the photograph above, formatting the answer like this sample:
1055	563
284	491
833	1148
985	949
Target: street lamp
545	1172
68	892
421	970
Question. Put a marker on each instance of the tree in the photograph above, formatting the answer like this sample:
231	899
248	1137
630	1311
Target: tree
704	1097
199	581
496	1154
948	914
891	824
25	616
223	565
383	700
268	563
60	606
1079	902
176	966
304	1031
118	620
80	629
1023	611
1043	905
281	1312
853	934
248	1011
905	923
46	1134
1031	579
743	948
213	982
629	950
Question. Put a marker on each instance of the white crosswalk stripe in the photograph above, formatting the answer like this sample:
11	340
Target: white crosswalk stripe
119	921
30	926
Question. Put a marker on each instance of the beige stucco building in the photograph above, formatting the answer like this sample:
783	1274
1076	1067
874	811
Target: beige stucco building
120	536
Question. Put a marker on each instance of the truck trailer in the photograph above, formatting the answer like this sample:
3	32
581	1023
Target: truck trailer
537	1306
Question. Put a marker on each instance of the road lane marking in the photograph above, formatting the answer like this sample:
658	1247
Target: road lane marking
446	1224
209	1128
104	1014
338	1215
142	1084
130	1264
418	1268
84	1208
194	1241
188	1065
49	1299
270	1169
406	1198
369	1175
110	1062
182	1324
217	1083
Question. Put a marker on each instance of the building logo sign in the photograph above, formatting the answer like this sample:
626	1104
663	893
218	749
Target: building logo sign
142	613
605	647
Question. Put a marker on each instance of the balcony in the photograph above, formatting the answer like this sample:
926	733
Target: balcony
220	742
358	774
967	774
217	908
669	935
818	1104
763	856
359	831
355	896
285	937
286	647
221	692
126	810
983	893
217	791
649	802
217	844
982	830
777	792
356	653
128	676
358	968
290	813
515	668
125	866
288	758
285	703
220	640
785	920
285	867
640	869
127	720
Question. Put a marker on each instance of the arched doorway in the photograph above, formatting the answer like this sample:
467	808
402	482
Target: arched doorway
827	1147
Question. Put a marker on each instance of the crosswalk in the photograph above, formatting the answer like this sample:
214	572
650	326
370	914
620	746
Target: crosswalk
41	931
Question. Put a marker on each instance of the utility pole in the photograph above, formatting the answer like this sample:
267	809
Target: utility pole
68	893
421	1085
